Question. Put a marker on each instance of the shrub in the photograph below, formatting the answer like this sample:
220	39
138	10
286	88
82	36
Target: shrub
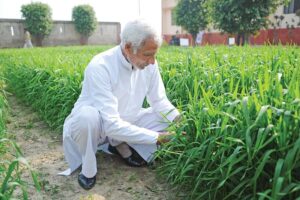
37	20
84	20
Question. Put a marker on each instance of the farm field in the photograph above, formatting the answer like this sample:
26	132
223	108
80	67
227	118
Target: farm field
241	108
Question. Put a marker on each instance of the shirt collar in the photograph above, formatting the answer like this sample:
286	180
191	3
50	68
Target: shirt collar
124	62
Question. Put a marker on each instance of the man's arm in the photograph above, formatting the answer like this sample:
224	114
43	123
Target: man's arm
98	84
157	97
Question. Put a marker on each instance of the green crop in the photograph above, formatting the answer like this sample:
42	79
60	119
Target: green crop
242	116
240	106
11	158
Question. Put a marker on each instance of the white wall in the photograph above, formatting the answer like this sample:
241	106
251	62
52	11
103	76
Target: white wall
167	27
290	19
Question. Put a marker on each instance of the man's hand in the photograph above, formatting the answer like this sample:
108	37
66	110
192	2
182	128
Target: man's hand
164	137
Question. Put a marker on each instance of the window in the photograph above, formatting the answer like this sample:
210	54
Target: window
173	17
292	7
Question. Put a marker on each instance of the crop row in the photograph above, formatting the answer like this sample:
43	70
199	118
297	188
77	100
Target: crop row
241	109
12	160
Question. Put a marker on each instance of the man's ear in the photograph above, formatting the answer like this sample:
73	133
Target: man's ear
128	48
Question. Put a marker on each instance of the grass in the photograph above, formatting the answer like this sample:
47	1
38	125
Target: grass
12	162
240	105
242	114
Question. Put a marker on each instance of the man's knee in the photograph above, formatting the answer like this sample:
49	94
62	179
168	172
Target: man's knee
87	121
85	125
88	115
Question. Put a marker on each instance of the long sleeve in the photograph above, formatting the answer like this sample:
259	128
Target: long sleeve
98	85
157	98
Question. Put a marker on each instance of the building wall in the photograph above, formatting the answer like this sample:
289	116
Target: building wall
167	27
288	21
63	33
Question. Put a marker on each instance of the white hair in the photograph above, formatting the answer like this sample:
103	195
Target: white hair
136	32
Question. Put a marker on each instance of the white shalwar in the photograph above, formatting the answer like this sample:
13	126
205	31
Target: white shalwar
109	108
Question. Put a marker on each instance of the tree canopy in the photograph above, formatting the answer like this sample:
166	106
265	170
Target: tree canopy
242	17
38	20
85	19
192	15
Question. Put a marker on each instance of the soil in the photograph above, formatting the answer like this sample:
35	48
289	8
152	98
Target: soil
42	147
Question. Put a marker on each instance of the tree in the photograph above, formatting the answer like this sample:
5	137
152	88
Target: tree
192	16
37	20
242	17
85	21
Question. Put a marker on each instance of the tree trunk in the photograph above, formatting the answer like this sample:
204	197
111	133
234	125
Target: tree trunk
194	39
238	38
276	37
84	40
39	40
242	38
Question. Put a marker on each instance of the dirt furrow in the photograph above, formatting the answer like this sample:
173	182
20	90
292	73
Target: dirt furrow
42	147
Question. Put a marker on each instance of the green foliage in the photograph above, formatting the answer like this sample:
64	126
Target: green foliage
37	19
52	85
12	161
241	111
84	19
242	16
3	112
242	118
192	15
11	171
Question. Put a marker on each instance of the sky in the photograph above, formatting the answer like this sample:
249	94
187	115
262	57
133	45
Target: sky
106	10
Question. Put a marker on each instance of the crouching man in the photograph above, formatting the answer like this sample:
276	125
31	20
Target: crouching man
109	108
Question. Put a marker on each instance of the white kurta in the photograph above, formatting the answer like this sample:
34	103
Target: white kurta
117	92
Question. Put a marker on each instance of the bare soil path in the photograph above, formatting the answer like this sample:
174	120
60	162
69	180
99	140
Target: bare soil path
42	147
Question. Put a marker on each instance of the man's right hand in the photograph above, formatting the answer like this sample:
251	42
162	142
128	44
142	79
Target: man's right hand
164	137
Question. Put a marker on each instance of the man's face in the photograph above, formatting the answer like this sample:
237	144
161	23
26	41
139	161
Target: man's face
144	55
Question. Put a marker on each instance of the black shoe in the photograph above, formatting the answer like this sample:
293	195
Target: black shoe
135	160
86	183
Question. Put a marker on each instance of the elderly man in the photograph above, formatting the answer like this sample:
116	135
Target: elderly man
109	108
